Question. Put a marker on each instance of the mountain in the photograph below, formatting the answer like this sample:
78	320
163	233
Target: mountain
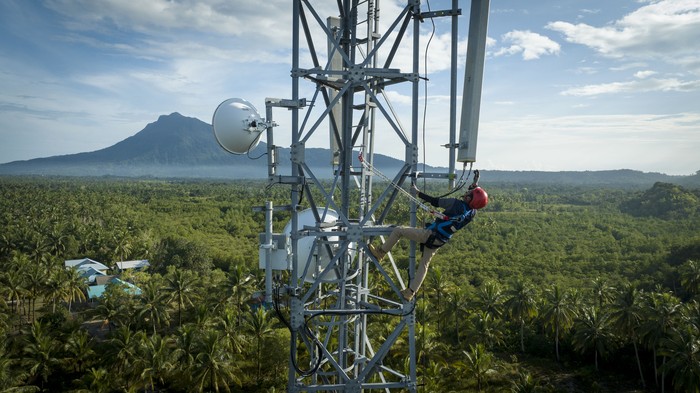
177	146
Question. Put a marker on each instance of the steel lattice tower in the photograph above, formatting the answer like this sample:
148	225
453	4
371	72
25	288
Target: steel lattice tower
344	308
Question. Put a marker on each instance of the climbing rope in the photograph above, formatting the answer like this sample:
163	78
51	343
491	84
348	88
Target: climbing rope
420	204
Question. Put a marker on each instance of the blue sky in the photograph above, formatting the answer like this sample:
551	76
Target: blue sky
568	85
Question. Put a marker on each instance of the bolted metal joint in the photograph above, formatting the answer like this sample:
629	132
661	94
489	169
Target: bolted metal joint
354	233
298	153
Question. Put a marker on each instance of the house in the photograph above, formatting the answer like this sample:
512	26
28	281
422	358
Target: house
104	280
95	273
97	290
90	273
87	268
136	265
82	264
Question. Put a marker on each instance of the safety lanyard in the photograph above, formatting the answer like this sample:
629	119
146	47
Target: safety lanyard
420	204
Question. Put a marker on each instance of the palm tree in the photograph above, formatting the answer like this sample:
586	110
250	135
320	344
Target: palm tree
489	298
557	313
682	349
239	284
80	348
202	316
216	294
122	245
40	351
15	280
154	361
486	330
439	285
429	348
455	310
478	362
592	332
76	286
213	367
108	312
55	287
39	249
56	239
227	322
661	314
521	304
123	350
152	306
8	245
97	380
35	278
691	313
526	383
602	291
10	376
13	287
432	375
626	315
180	284
690	277
185	352
259	325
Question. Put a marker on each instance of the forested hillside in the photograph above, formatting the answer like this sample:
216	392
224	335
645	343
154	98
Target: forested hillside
550	289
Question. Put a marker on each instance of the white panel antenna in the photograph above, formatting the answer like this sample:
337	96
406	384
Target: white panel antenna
473	77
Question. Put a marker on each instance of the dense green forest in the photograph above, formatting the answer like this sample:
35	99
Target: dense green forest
550	289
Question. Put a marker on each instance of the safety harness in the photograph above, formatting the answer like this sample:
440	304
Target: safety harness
444	229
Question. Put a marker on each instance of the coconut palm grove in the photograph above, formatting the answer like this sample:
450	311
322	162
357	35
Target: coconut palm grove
552	288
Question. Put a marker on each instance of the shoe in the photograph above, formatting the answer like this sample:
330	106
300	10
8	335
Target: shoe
407	294
377	252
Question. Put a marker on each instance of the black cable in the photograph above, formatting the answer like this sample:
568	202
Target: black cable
425	79
251	146
461	182
425	103
307	331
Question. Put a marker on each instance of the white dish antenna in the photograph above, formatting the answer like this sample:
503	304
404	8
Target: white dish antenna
237	125
320	258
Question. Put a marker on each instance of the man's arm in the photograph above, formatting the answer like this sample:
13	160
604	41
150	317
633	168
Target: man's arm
430	199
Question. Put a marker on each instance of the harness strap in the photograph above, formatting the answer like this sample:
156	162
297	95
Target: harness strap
432	243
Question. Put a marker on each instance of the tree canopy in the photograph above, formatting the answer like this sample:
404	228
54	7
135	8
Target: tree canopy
549	287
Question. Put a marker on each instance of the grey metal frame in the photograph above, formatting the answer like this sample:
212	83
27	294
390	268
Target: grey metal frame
329	317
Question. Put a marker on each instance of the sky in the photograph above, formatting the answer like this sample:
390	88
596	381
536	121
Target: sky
568	85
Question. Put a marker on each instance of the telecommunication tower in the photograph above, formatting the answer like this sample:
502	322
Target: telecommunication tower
343	308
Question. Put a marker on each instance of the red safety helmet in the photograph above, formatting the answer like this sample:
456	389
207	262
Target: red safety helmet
479	198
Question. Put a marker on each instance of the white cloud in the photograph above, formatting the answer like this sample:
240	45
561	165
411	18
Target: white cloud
659	34
502	10
659	143
119	65
397	98
644	74
663	29
586	12
530	45
642	85
628	66
162	16
586	70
